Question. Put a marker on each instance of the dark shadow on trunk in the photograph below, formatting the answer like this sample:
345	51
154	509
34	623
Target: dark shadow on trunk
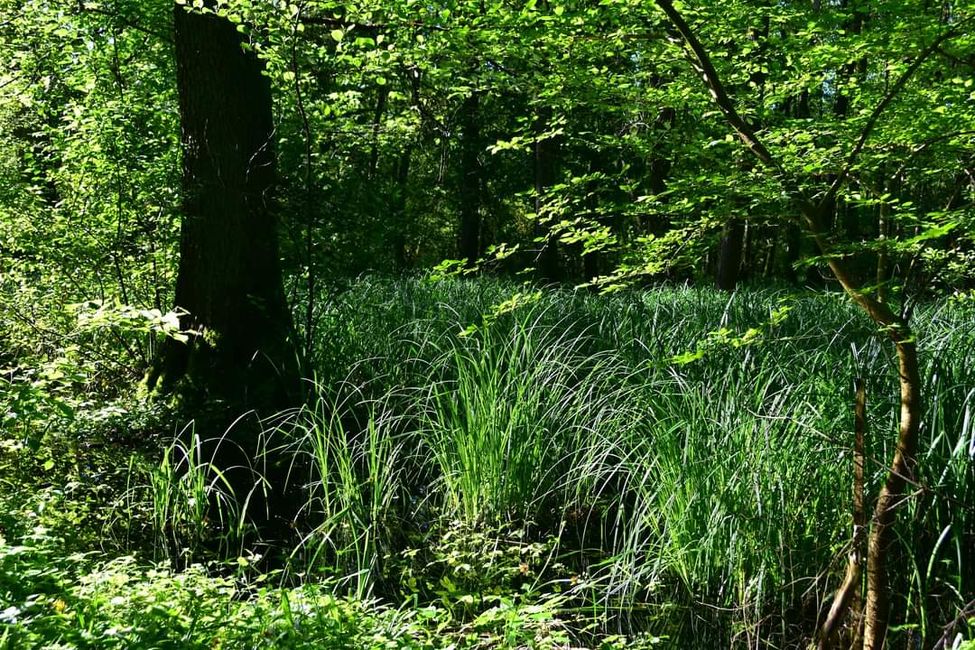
241	357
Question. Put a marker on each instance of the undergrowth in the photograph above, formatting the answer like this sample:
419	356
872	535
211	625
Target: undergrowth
670	466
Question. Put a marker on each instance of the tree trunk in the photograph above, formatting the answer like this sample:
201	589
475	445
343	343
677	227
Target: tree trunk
658	170
901	470
400	209
469	236
729	256
545	157
877	605
382	96
241	357
229	280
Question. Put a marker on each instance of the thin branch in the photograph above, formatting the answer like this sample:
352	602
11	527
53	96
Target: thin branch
125	21
892	94
811	213
956	59
702	63
919	149
964	613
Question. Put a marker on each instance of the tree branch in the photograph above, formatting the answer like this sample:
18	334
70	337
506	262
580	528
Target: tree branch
895	90
919	149
369	28
702	63
125	21
970	62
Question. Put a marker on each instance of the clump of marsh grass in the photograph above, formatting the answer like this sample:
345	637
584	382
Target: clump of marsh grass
705	501
355	489
504	411
194	506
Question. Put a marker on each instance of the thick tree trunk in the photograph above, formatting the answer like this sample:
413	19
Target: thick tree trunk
229	280
241	357
729	256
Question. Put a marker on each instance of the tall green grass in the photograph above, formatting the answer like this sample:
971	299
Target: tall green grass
355	489
708	501
501	414
193	503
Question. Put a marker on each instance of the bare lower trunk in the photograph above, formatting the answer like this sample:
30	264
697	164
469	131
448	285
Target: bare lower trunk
848	596
229	280
901	470
729	256
469	242
546	152
877	606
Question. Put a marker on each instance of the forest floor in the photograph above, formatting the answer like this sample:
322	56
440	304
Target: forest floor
490	466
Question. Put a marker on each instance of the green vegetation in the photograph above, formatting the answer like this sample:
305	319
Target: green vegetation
552	476
487	323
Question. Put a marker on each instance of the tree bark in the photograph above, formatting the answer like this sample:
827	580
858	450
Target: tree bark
240	357
729	256
229	279
469	235
902	470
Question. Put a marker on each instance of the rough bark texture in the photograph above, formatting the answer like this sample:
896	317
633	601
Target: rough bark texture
229	282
